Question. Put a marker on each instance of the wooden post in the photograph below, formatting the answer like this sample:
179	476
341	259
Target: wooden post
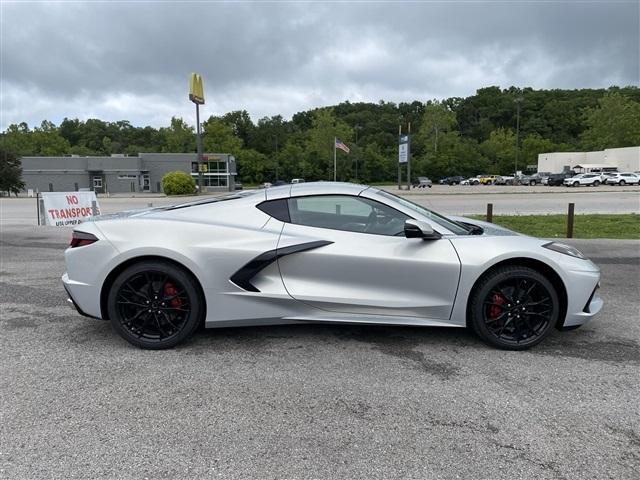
490	212
570	220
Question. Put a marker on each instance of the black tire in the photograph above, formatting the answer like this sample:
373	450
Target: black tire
155	304
622	183
576	184
513	308
532	183
596	183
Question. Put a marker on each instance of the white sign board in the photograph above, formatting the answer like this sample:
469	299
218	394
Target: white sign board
403	153
66	209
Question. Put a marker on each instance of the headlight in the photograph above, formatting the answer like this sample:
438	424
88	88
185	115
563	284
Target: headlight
565	249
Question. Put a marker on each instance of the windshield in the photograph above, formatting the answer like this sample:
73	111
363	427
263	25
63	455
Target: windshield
452	226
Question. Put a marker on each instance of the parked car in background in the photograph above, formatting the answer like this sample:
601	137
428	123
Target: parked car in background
539	178
266	185
238	186
586	179
625	178
297	180
455	180
487	179
557	179
422	182
504	180
471	181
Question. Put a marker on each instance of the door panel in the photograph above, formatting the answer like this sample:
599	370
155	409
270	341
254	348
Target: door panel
371	274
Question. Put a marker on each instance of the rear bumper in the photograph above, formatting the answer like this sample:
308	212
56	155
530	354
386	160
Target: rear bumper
82	297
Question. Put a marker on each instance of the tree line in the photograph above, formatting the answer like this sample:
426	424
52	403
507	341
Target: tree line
482	133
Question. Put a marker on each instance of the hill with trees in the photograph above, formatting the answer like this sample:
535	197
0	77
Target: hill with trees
455	136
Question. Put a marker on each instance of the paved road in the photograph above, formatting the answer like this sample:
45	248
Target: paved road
311	401
453	200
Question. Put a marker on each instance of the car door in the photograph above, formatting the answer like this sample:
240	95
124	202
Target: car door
366	265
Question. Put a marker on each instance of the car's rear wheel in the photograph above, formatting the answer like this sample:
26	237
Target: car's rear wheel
514	308
155	304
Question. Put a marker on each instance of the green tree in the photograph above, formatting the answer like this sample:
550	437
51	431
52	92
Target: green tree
531	147
615	122
218	137
500	151
10	172
179	137
253	167
437	120
325	127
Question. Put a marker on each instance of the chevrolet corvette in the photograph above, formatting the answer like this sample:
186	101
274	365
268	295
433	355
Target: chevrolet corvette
322	252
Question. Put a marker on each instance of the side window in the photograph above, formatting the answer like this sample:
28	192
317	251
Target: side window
348	213
277	209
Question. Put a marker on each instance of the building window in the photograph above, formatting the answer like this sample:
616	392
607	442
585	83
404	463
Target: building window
127	177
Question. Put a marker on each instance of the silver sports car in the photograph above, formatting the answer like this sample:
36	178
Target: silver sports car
322	252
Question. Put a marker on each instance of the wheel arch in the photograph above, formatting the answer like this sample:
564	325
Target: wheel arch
537	265
113	274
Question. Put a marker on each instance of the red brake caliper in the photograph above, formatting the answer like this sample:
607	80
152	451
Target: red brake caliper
170	291
495	310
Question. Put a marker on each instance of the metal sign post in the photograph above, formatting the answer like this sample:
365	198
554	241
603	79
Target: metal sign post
196	95
404	146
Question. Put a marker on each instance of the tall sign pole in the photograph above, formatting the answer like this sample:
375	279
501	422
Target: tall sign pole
409	157
196	95
403	157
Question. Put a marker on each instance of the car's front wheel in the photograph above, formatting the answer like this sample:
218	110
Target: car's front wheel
622	183
514	308
155	304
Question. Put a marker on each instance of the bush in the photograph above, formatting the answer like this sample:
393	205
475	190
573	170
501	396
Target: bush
178	183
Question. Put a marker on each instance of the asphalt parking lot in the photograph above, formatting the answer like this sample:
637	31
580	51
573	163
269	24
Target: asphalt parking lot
311	401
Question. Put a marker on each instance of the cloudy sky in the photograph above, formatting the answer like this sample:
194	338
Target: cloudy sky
131	60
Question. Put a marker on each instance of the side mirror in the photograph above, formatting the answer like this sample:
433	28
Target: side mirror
419	229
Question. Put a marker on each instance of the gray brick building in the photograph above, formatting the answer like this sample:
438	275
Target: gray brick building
124	174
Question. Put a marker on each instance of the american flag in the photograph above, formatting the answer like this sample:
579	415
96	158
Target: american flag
342	146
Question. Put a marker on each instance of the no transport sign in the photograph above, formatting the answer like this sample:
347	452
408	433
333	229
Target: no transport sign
67	209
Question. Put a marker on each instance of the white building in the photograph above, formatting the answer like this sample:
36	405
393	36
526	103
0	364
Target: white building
625	159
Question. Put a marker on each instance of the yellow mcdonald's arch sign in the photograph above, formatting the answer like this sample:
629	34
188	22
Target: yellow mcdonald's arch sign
196	90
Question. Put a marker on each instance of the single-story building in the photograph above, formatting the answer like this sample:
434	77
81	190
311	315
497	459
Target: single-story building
124	174
625	159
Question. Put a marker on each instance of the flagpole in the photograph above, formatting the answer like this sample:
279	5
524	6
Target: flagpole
334	158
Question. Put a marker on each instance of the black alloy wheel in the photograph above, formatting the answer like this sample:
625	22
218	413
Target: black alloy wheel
514	308
155	305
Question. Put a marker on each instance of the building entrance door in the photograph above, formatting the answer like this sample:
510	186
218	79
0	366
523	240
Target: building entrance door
146	182
97	184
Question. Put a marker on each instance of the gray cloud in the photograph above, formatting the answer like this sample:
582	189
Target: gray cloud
132	60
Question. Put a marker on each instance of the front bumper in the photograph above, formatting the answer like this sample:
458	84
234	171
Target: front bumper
583	301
